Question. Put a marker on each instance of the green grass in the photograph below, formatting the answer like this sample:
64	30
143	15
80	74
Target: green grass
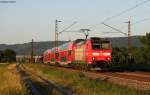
82	85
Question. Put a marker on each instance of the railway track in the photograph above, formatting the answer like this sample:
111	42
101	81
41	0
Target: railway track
137	80
30	87
143	74
48	87
140	75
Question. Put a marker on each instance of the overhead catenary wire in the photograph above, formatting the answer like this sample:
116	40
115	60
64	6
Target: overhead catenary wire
68	27
127	10
114	29
121	13
138	22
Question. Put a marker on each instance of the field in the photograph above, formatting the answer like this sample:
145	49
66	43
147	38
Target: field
80	84
10	83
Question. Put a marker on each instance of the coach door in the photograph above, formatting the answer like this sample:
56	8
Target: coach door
69	56
56	56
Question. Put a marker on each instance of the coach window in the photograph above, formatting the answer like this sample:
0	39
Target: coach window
57	54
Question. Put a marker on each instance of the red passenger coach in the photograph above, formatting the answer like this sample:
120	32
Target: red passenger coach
65	53
93	52
46	56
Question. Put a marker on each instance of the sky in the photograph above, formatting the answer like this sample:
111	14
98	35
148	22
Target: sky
25	20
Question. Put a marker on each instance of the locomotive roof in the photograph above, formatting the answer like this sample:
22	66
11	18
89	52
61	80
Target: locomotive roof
101	39
94	38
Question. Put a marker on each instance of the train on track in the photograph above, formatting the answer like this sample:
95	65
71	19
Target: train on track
92	52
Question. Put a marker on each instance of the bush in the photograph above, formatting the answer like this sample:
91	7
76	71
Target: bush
7	56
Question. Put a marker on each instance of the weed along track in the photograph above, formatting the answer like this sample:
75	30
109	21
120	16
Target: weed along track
137	80
40	85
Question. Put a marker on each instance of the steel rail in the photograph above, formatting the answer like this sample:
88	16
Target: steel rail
52	85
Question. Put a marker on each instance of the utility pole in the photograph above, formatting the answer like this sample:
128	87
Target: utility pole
56	38
56	35
32	51
129	38
57	32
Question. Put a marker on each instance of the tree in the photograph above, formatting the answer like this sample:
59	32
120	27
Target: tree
9	55
142	55
138	55
119	55
1	55
146	39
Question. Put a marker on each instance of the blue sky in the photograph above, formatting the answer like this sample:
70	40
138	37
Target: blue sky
27	19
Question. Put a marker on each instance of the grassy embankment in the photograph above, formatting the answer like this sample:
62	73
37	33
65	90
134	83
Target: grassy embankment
10	81
81	85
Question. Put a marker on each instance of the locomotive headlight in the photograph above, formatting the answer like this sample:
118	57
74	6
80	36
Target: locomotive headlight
106	54
95	54
108	58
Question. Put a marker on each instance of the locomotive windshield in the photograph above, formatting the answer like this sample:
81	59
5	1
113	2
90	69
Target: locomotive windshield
100	44
105	45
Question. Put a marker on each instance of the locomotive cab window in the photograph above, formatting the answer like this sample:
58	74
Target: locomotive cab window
100	44
105	45
96	46
96	43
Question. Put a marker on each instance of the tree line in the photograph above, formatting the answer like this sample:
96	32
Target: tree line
7	55
140	56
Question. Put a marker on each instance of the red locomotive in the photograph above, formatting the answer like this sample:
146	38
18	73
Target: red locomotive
93	52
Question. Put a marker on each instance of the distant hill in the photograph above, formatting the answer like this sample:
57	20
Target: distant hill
25	49
40	47
123	41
